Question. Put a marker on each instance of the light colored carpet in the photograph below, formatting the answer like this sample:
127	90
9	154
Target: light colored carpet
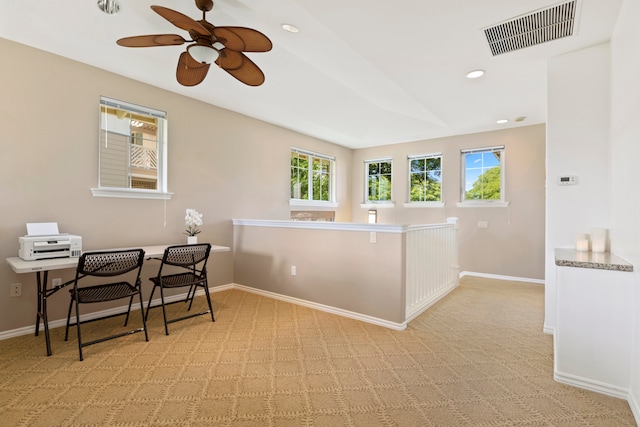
477	358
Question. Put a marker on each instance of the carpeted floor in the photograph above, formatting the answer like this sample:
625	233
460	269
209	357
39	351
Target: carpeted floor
477	358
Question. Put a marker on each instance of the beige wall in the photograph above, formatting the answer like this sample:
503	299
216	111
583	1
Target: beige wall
337	268
223	164
513	244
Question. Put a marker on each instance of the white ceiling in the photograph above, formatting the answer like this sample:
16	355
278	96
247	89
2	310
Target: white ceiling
359	73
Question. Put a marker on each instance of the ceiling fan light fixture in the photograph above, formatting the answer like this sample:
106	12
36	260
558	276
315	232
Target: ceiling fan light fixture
203	53
109	6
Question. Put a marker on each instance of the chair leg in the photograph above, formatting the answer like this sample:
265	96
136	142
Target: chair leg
78	328
164	312
126	319
146	316
206	291
66	332
144	321
192	288
195	288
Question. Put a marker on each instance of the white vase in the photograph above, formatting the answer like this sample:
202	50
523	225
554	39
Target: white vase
192	240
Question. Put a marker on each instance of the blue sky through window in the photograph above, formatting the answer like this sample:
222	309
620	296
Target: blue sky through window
476	164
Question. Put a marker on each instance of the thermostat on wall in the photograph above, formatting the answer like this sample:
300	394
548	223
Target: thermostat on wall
567	180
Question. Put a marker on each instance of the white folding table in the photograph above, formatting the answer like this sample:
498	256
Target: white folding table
43	266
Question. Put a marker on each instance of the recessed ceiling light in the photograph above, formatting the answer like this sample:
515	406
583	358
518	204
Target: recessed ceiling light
475	74
502	121
290	28
520	119
109	6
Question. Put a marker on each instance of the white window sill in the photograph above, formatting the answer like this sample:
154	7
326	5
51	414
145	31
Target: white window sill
312	204
126	193
383	205
483	204
423	205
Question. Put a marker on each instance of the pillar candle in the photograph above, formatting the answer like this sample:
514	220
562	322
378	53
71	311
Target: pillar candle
598	239
582	242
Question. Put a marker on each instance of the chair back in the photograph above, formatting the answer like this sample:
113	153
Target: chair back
187	256
110	263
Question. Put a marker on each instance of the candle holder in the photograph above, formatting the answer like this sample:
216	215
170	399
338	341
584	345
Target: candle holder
598	239
582	242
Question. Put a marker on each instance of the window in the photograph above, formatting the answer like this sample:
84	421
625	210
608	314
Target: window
425	178
133	151
312	177
482	174
378	181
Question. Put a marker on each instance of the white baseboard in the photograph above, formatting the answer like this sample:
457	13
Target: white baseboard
345	313
592	385
415	311
562	378
95	315
635	407
500	277
325	308
121	310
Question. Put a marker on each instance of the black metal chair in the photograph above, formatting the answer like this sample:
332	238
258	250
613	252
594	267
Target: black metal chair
106	264
192	273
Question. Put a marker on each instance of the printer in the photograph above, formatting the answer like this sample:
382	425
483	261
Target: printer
43	241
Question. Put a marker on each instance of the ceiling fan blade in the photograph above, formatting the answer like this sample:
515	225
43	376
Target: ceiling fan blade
190	72
230	59
152	40
239	66
243	39
181	21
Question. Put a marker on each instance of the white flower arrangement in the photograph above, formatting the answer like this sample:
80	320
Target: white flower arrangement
192	220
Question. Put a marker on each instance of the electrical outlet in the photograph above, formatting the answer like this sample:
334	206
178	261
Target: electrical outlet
293	270
16	290
56	282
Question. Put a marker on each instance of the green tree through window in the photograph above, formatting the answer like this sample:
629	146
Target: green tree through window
425	176
378	181
311	176
483	174
486	187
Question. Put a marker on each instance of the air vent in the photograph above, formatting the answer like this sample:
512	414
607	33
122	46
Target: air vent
534	28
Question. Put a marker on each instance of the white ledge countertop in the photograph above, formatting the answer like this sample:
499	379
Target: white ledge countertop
596	260
343	226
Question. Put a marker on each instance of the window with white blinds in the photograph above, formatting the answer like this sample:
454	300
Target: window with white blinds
132	151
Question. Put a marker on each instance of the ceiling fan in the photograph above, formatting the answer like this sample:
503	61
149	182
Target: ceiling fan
222	45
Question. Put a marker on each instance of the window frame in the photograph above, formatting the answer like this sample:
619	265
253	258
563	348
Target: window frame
424	204
377	203
161	192
309	202
464	202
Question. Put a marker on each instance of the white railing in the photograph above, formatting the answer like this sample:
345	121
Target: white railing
432	269
143	157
